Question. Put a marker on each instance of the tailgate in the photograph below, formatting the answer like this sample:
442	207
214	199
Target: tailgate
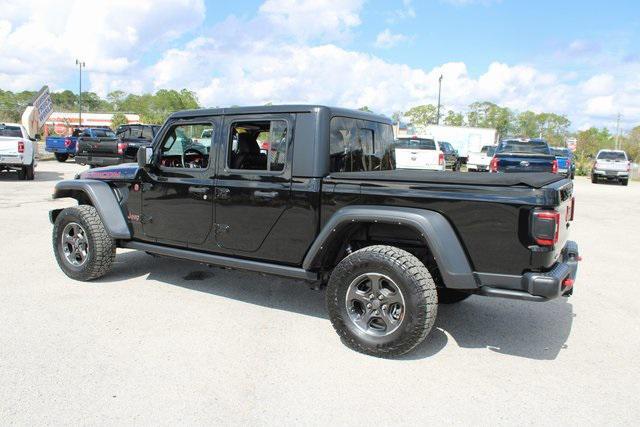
55	143
612	165
99	147
525	163
8	145
407	158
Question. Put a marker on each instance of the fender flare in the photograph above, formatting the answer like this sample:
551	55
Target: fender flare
102	198
443	242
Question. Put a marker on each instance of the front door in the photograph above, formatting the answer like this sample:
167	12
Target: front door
253	183
178	190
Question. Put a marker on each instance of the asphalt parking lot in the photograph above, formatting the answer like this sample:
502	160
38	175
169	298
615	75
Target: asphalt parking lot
165	341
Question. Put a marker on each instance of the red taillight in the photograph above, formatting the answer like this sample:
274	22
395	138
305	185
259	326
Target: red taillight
493	166
568	282
628	166
67	142
554	167
573	209
546	227
20	146
121	147
441	158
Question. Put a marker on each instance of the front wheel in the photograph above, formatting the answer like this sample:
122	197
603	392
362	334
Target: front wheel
61	157
625	182
382	301
83	248
594	179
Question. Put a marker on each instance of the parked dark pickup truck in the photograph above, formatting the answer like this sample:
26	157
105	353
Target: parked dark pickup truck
310	192
121	147
523	155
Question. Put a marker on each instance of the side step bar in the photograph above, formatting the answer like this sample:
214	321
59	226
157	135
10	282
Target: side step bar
223	261
488	291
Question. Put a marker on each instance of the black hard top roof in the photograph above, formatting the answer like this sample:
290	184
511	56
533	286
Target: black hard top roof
293	108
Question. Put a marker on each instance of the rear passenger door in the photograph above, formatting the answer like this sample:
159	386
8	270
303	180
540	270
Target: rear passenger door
253	180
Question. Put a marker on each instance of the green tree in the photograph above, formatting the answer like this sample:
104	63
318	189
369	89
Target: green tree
118	119
489	115
422	115
526	125
588	143
453	119
116	98
553	128
397	116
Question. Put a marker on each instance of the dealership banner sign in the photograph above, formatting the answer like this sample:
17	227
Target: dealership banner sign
38	111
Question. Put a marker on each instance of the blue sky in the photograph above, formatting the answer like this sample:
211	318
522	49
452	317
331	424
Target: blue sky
578	58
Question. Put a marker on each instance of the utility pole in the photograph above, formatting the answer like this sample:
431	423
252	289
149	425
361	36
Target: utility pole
439	91
80	65
618	133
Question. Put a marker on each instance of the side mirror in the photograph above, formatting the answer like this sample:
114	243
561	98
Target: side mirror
144	156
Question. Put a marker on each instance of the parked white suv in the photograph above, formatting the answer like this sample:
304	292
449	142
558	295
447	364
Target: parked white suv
419	153
17	150
612	165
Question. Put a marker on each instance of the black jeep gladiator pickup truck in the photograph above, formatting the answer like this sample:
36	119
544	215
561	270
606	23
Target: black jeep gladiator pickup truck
310	192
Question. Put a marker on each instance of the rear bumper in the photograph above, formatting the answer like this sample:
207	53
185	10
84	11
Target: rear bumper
536	286
611	174
14	160
98	161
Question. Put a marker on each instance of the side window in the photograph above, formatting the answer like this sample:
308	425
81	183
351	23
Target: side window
258	145
147	133
359	145
182	147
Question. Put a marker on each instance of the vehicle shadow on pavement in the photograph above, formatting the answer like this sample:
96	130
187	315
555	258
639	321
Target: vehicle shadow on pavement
39	176
254	288
517	328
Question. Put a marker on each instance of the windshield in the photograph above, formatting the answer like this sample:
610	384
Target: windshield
418	143
560	152
523	147
10	131
491	151
612	155
486	148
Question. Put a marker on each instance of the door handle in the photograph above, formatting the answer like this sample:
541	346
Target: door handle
223	193
199	191
265	194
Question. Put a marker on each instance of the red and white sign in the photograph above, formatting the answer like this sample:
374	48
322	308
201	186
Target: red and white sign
60	128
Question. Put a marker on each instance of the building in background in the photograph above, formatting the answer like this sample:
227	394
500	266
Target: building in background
64	123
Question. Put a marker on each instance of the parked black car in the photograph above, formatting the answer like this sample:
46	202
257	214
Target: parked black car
451	159
115	149
523	155
310	192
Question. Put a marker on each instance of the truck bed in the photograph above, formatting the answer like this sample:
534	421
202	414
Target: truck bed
531	180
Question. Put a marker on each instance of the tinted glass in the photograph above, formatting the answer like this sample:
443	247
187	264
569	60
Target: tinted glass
418	143
611	155
359	145
104	133
147	132
486	148
560	152
523	147
10	131
491	151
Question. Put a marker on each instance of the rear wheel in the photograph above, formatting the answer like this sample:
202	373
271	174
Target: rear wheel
61	157
594	179
382	301
83	248
625	182
28	172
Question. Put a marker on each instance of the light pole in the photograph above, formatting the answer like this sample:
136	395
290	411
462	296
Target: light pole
80	65
439	91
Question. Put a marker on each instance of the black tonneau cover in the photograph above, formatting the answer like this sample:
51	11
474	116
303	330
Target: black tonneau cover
533	180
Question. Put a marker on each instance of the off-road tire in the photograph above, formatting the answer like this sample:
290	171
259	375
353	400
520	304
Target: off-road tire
451	296
102	248
410	276
594	179
61	157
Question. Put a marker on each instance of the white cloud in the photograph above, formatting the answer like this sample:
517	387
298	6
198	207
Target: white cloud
471	2
108	36
386	39
312	19
600	84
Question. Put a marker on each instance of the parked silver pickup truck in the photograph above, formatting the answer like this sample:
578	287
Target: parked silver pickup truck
17	150
611	165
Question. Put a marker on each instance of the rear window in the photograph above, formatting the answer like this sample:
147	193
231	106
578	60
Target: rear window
360	145
416	143
104	133
611	155
486	148
560	152
10	131
523	147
